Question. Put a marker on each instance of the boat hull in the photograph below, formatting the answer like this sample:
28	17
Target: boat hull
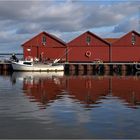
37	67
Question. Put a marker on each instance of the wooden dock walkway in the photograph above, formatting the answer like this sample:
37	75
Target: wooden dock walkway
102	67
85	67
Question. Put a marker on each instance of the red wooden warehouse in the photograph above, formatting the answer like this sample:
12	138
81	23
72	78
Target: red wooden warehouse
88	47
126	48
44	46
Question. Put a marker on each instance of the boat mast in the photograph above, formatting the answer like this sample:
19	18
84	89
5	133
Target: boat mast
139	21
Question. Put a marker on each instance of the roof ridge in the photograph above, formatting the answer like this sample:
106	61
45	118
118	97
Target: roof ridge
92	35
127	34
50	35
57	38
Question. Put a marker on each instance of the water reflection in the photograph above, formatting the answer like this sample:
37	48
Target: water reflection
40	87
45	88
54	105
88	89
127	89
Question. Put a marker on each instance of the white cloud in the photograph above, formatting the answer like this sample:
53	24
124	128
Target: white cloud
65	16
127	25
21	19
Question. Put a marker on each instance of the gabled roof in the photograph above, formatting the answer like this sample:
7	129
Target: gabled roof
48	34
92	34
111	40
133	31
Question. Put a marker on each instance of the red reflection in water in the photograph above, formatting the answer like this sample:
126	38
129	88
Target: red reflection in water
43	90
87	90
127	88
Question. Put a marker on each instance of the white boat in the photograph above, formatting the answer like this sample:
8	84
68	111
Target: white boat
32	66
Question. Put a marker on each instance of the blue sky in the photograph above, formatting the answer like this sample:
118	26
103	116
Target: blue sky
21	20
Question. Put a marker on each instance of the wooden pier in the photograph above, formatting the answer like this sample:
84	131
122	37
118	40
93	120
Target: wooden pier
102	67
4	66
90	68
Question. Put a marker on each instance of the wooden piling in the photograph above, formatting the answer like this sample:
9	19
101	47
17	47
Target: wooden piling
81	67
5	67
72	67
124	67
89	67
106	67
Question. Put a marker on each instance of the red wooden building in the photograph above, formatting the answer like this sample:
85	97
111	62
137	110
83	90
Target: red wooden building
88	47
126	48
44	46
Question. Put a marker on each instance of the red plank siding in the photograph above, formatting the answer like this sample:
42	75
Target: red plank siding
126	40
80	41
125	54
78	47
124	51
36	45
77	54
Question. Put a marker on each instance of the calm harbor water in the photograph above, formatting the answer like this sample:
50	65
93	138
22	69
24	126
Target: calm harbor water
54	105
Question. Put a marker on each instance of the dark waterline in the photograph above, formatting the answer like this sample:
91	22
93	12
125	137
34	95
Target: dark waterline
54	105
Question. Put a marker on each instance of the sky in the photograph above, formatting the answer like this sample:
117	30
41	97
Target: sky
21	20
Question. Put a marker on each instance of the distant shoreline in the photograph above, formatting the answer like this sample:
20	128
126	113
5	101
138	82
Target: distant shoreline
11	53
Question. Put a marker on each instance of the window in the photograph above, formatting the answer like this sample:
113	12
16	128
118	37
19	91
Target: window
44	40
28	49
133	39
27	63
88	40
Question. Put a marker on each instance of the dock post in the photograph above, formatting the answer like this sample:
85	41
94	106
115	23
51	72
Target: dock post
106	67
89	67
71	67
124	67
81	67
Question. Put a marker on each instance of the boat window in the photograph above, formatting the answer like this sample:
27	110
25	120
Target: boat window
27	63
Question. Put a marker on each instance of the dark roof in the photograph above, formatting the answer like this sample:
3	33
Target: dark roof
92	35
50	35
133	31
